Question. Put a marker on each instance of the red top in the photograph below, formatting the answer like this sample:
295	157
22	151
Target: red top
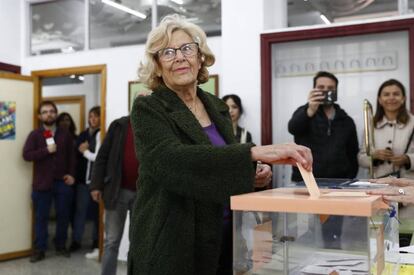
130	163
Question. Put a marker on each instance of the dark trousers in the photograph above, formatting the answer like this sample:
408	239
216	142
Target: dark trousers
42	200
84	205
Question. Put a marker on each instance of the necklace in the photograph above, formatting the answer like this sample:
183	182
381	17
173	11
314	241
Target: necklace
193	108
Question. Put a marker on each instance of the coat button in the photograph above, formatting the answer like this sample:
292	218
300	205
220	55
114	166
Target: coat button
390	124
390	141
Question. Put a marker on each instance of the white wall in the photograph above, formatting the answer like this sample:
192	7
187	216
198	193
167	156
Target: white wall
242	23
241	27
10	22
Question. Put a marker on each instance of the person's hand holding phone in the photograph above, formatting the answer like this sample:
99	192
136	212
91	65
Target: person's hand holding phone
315	99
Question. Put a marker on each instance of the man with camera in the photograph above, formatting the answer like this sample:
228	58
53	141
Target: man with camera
331	134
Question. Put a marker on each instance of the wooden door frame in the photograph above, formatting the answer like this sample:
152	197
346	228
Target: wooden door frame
61	72
79	99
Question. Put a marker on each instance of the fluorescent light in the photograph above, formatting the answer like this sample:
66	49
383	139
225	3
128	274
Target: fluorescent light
81	77
72	76
125	9
179	2
323	17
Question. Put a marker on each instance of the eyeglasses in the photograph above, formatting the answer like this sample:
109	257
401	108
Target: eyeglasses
188	50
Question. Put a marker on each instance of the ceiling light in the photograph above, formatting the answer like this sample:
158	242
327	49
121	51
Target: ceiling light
72	76
325	19
179	2
81	77
125	9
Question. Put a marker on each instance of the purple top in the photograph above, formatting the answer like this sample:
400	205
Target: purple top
217	140
214	136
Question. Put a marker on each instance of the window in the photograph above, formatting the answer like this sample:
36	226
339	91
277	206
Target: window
315	12
204	13
110	26
59	26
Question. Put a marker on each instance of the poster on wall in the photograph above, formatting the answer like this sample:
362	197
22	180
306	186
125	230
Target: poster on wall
7	120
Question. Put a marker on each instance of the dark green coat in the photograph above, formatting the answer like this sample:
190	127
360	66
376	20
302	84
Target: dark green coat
184	181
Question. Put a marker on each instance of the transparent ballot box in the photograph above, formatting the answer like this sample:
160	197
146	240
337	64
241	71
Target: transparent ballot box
284	231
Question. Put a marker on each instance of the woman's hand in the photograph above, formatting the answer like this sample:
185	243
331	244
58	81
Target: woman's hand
400	160
383	154
263	175
287	153
401	182
402	195
83	147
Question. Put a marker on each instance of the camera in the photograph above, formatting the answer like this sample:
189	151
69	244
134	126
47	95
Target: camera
330	97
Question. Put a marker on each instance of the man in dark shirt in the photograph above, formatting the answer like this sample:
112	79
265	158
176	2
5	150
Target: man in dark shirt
331	134
51	150
114	177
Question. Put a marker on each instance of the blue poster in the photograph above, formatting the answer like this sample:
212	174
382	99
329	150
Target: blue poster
7	120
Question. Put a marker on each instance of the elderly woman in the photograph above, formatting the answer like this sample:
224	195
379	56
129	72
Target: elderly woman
190	161
393	129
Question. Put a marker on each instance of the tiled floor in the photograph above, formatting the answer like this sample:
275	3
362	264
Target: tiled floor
77	264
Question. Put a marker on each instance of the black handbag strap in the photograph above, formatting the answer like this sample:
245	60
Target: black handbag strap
409	142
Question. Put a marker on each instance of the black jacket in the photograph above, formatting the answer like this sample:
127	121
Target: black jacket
334	144
81	161
239	134
107	170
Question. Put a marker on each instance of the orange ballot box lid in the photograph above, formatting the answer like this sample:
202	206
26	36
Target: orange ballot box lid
298	200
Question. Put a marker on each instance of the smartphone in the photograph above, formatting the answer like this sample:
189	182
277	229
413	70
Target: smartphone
330	97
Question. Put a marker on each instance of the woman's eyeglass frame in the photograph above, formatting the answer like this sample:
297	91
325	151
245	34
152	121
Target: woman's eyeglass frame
191	51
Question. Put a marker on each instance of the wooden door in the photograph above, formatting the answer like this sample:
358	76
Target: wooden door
17	120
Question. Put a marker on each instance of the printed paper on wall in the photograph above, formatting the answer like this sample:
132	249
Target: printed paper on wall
7	120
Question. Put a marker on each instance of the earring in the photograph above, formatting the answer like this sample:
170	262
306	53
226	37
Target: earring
203	58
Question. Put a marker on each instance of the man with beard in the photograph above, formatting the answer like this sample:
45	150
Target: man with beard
324	127
52	151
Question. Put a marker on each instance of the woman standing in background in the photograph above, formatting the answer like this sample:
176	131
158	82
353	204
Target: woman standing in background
236	110
393	150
